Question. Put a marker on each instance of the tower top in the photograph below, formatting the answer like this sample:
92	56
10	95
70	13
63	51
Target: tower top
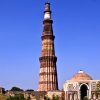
47	6
47	11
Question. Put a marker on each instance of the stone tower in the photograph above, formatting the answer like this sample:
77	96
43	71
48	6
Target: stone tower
48	73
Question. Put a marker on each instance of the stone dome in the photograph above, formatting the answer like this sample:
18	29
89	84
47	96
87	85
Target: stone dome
81	75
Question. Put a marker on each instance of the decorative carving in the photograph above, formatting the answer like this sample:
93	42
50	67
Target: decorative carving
93	86
48	72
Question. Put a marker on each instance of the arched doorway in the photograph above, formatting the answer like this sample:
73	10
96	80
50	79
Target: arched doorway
83	91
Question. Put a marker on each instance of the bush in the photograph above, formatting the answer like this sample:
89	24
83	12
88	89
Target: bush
55	97
18	97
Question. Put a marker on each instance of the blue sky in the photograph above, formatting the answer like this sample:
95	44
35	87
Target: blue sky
77	43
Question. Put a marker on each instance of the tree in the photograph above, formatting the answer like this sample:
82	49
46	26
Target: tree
29	90
16	89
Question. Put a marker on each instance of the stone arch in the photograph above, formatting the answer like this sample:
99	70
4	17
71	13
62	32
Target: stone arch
84	84
83	91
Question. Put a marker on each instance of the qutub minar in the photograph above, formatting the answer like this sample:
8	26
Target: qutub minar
48	72
80	87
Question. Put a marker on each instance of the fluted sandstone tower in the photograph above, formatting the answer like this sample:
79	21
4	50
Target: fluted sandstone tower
48	73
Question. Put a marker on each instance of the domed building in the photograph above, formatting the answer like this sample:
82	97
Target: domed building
81	76
81	86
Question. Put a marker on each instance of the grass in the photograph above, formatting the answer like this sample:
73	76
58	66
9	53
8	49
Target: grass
3	97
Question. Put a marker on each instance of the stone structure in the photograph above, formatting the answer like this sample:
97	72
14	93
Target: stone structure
48	73
81	86
52	94
2	90
36	95
28	95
